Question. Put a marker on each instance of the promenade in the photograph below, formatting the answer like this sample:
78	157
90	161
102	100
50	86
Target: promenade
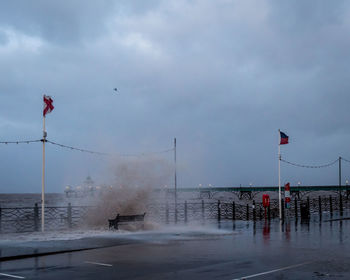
226	250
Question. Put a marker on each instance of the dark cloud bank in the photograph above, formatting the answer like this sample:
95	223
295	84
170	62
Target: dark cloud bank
221	76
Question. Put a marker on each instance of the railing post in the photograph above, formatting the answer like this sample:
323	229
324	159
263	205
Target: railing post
330	205
203	209
0	219
260	213
185	211
254	211
167	212
69	215
219	211
296	208
247	212
175	214
320	206
341	204
233	211
36	217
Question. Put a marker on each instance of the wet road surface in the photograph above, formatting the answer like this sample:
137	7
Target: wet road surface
238	250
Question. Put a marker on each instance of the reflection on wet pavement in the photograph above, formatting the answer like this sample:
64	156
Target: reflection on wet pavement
302	249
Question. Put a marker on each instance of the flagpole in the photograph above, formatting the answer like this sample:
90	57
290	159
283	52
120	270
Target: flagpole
48	107
175	181
43	182
279	174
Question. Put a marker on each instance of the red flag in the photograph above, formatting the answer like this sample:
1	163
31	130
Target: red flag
48	107
284	138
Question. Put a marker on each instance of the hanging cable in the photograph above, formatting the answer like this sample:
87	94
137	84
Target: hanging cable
76	149
106	154
310	166
20	142
344	159
151	153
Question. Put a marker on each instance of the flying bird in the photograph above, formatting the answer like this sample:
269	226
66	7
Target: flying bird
115	89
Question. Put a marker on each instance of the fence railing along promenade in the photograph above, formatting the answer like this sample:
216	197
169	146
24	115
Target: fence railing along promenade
219	210
27	219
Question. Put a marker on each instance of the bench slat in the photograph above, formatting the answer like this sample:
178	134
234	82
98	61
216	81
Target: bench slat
124	219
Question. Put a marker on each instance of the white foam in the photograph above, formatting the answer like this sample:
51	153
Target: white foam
168	232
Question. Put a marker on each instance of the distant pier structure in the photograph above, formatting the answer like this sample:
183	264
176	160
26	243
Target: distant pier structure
88	188
250	193
89	185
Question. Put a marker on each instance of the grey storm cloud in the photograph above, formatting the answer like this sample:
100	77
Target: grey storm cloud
221	76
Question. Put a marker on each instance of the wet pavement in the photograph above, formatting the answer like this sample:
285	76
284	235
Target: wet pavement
231	250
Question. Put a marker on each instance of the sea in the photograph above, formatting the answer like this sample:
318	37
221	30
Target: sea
16	200
89	199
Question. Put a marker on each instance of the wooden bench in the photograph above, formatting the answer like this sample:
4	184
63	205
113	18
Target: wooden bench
119	219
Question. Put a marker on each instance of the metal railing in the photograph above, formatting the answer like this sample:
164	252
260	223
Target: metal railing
28	219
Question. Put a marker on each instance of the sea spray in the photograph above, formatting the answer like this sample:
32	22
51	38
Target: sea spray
134	188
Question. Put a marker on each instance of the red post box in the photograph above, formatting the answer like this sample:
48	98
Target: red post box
266	200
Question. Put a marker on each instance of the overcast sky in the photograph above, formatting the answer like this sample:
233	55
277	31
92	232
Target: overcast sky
220	76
